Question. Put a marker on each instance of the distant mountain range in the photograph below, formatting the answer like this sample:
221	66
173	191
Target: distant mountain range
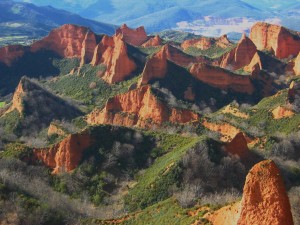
196	16
23	22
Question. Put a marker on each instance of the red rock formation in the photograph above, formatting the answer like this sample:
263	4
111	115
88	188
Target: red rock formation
227	131
156	67
66	155
255	65
88	47
112	52
134	37
9	54
55	129
297	65
69	41
240	56
119	65
180	58
221	78
223	41
205	43
227	215
276	39
281	112
265	200
17	102
153	42
107	44
238	146
139	107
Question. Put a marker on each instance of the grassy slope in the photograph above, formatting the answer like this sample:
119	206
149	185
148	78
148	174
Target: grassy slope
260	116
213	52
152	185
164	212
80	87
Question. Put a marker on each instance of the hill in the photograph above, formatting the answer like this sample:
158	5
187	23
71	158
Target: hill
138	129
204	18
24	22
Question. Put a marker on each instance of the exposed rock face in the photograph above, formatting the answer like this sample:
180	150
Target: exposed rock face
153	42
297	65
66	155
276	39
134	37
107	44
227	131
238	146
156	67
112	52
180	58
69	41
17	102
265	200
55	129
119	65
221	78
255	65
139	107
227	215
9	54
240	56
281	112
205	43
88	47
41	106
235	111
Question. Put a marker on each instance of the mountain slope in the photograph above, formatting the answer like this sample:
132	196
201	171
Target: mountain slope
22	22
160	15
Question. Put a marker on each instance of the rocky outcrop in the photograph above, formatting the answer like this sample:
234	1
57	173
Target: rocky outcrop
238	146
118	64
19	94
180	58
141	108
228	215
42	107
134	37
102	50
221	78
277	39
10	54
88	47
55	129
69	41
66	155
255	65
281	112
227	131
156	67
240	56
235	112
265	200
205	43
153	42
112	52
297	65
